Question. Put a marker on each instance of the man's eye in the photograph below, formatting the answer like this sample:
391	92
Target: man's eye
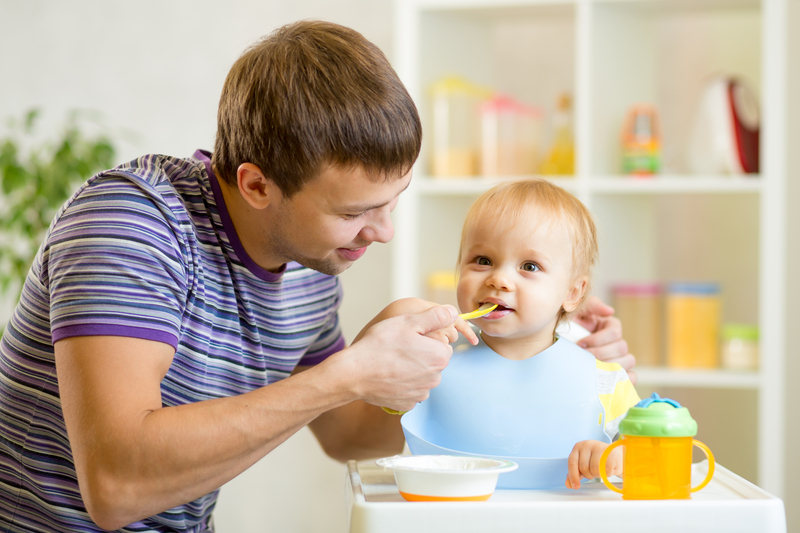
358	215
483	261
530	267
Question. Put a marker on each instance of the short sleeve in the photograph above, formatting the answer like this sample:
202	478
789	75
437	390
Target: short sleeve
616	393
330	340
113	264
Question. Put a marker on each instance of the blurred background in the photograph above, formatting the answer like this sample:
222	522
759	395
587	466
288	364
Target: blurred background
149	74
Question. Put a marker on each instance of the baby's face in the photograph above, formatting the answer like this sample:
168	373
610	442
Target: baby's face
525	267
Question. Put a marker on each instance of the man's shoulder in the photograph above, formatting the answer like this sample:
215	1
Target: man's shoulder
159	169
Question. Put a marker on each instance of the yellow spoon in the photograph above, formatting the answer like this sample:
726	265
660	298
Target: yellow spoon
483	310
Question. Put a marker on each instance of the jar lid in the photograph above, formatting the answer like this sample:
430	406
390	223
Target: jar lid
694	287
658	417
502	103
746	332
637	289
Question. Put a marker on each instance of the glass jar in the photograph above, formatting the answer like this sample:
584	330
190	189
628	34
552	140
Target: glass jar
638	306
739	347
510	137
456	127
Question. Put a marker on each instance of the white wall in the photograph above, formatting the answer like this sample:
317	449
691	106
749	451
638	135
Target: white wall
155	70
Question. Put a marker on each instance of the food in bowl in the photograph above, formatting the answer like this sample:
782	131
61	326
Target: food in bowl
436	478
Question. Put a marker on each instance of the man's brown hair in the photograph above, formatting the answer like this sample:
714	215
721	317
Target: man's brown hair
313	94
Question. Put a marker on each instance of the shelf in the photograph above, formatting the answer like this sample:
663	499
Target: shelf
681	224
718	379
472	185
661	184
672	184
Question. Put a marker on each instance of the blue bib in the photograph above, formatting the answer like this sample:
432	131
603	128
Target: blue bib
488	405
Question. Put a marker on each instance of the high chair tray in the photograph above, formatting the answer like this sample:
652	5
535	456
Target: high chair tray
728	503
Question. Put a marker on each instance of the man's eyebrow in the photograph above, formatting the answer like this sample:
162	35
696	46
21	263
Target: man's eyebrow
359	208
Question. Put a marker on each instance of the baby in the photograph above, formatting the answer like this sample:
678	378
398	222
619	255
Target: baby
529	247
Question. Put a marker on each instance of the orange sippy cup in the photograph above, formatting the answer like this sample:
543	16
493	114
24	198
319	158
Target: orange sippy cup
657	435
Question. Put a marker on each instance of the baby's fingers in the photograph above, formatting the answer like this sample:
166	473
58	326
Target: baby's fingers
574	469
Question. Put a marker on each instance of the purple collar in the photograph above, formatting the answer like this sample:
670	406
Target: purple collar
261	273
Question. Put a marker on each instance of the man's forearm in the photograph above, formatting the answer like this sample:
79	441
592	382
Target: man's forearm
134	464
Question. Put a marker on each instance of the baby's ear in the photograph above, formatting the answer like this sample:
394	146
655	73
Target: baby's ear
575	295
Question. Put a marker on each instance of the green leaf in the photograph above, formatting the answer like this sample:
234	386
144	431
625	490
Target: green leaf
14	177
35	179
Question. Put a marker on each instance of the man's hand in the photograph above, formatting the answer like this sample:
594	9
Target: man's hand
605	342
399	359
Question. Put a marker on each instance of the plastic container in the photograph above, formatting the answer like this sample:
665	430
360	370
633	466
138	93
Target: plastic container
510	137
657	465
739	347
456	127
692	325
641	141
638	306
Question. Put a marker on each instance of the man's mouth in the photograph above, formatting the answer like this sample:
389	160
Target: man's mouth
352	255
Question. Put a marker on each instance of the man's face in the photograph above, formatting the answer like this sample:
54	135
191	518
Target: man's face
524	266
331	221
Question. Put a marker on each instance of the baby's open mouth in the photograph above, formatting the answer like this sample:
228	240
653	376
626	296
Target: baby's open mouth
500	307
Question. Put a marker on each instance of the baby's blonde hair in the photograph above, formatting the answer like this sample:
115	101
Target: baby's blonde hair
511	200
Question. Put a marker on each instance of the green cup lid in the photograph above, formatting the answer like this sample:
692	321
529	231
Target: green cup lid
658	417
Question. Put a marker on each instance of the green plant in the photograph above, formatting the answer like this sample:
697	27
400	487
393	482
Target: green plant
36	177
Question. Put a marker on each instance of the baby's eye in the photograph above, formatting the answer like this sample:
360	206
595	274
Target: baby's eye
483	261
530	267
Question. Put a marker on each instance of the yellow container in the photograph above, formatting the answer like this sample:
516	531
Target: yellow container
657	435
692	325
657	468
638	306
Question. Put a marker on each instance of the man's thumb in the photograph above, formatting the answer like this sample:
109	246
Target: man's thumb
434	318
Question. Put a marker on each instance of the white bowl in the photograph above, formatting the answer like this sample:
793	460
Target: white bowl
446	477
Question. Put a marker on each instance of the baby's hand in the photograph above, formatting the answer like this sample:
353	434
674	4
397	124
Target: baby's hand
584	462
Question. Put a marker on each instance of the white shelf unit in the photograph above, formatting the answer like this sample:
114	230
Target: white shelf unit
611	54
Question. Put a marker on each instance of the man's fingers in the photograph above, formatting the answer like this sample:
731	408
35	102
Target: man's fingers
596	306
608	331
607	352
433	319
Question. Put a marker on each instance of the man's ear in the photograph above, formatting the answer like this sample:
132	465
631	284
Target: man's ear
257	189
575	295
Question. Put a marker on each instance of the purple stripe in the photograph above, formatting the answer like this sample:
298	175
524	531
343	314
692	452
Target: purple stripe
85	330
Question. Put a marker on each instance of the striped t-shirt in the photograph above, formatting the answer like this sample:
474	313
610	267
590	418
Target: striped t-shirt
146	250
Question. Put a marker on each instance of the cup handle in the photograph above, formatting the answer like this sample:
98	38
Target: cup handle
603	458
709	456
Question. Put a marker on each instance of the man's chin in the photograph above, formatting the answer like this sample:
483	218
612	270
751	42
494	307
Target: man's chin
327	266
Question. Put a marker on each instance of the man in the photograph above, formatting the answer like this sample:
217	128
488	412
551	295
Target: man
180	319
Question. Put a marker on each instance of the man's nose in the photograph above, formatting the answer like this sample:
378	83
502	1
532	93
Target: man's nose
380	227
